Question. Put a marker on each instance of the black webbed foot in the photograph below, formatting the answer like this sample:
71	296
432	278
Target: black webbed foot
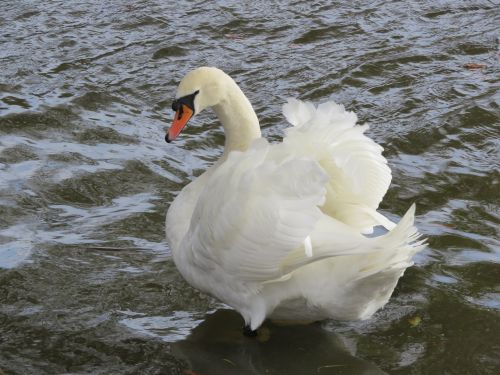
248	332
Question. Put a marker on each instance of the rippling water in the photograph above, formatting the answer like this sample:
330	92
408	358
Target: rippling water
87	284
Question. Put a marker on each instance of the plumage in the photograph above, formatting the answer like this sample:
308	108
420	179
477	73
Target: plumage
278	230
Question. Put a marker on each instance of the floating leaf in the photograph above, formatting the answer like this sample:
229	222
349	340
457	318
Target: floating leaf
474	66
415	320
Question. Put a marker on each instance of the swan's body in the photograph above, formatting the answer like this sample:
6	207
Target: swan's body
277	230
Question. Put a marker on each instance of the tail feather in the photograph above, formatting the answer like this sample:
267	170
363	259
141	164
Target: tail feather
393	250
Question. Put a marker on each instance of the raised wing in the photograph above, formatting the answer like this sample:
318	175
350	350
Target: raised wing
358	173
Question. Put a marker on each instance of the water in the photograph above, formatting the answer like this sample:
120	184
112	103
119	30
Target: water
87	285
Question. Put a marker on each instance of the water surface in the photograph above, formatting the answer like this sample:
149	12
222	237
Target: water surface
87	284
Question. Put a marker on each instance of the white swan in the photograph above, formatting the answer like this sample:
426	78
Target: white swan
277	230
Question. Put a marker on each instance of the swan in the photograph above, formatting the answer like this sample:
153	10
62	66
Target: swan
279	230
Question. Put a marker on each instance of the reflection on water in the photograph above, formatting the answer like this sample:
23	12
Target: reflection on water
217	346
87	284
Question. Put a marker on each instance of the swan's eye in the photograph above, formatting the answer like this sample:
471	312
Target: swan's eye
187	100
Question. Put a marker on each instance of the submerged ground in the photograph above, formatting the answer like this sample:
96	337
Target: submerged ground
85	90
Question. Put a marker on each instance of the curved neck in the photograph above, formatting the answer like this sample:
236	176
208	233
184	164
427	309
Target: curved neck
238	119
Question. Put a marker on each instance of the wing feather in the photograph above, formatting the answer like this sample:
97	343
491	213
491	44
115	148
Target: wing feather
256	208
259	207
358	173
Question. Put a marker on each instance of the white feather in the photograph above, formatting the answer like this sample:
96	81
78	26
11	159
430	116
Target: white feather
308	247
277	230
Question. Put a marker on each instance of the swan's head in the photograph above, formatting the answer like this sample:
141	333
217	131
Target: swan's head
199	89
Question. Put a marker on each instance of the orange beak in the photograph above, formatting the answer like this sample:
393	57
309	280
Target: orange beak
182	116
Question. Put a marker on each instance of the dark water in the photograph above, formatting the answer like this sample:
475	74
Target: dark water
87	285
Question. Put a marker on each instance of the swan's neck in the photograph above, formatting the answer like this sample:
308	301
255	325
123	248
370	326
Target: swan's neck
238	118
